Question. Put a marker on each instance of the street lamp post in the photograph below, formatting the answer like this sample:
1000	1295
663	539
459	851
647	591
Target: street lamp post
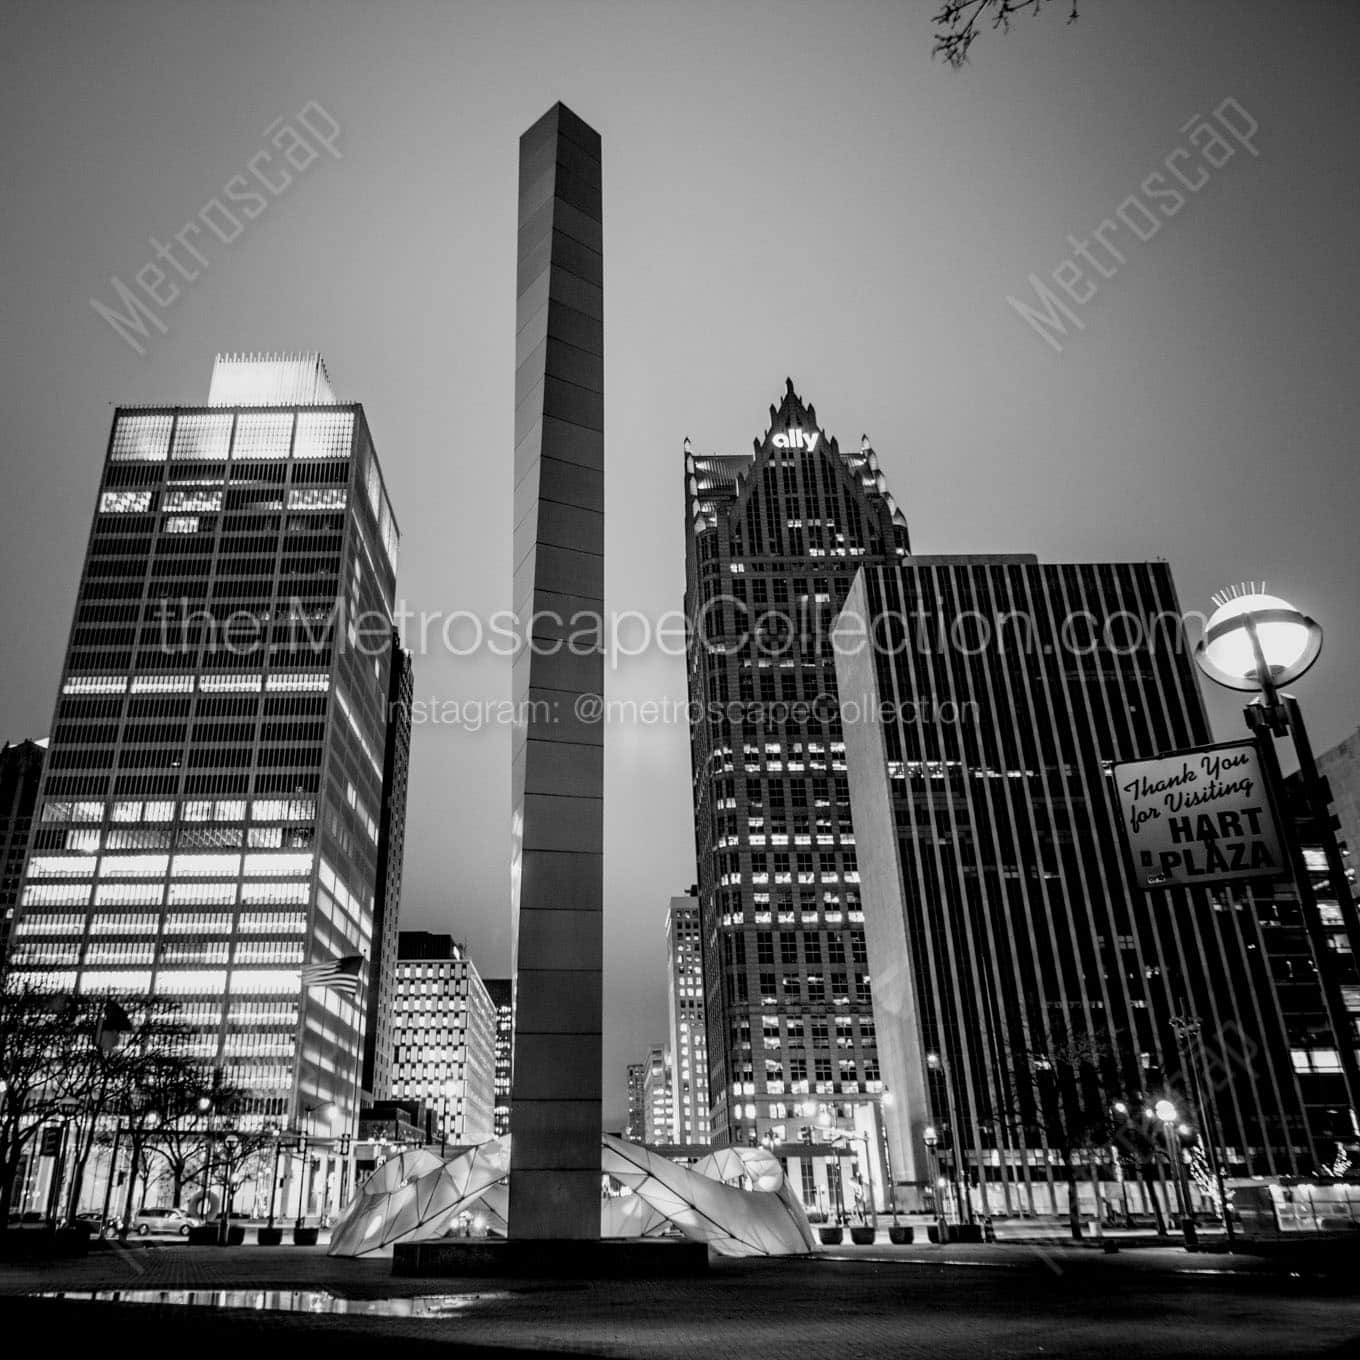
1189	1033
230	1142
932	1142
277	1135
1168	1116
1258	642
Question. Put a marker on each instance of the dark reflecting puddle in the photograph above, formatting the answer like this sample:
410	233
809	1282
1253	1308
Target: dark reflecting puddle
286	1300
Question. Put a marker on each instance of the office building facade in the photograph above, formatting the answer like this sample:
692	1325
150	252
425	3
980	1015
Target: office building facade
688	1031
1025	987
502	994
772	544
444	1037
21	767
657	1129
1340	767
209	811
636	1128
377	1071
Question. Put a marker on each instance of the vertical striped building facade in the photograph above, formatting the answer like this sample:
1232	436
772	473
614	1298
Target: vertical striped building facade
444	1037
685	1012
773	541
985	700
209	812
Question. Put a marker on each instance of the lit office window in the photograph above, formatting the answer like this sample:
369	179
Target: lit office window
317	498
95	684
202	436
196	499
261	435
230	684
55	895
133	866
141	438
124	502
61	866
324	434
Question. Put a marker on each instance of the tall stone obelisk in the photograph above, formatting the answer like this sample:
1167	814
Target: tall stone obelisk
557	760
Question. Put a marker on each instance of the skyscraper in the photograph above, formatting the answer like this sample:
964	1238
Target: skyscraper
1025	988
209	813
557	770
502	994
444	1037
377	1076
688	1033
1340	766
772	543
21	766
636	1128
657	1130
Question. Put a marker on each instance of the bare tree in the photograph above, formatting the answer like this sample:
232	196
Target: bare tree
45	1068
958	23
1059	1101
179	1136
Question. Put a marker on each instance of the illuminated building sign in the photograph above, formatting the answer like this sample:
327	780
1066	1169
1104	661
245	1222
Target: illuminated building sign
796	438
1200	816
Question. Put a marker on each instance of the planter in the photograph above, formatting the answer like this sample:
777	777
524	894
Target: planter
305	1237
901	1236
963	1232
236	1235
831	1237
933	1232
863	1237
270	1237
205	1235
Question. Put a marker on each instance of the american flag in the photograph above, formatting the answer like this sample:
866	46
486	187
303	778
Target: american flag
340	975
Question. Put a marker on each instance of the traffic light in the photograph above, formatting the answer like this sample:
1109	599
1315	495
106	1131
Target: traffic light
805	1134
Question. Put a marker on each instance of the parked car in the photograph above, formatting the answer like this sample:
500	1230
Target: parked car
98	1225
164	1221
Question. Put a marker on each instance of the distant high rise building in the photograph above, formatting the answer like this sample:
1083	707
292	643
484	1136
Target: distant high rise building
1023	983
657	1129
688	1033
210	807
502	994
444	1037
377	1077
1340	766
636	1129
21	766
772	543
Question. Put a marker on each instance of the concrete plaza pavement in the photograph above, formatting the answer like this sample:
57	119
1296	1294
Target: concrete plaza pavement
996	1300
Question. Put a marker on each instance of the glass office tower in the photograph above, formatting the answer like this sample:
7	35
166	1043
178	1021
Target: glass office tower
210	808
1028	992
685	1012
773	542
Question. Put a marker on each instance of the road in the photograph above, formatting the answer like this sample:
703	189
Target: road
1007	1301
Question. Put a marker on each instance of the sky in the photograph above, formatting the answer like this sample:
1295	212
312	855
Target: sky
790	190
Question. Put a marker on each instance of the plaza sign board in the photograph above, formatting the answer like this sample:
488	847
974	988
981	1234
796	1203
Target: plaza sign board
1199	817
